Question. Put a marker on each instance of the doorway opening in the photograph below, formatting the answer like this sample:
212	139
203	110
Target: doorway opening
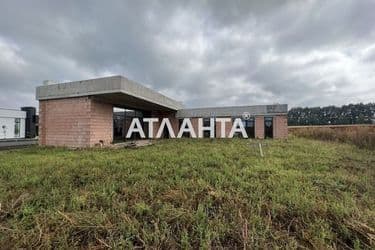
249	125
268	127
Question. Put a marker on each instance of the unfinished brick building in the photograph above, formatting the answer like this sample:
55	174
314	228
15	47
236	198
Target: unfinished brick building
80	114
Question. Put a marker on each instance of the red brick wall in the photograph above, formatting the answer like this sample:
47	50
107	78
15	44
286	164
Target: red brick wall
75	122
101	123
259	127
175	125
280	127
42	122
194	122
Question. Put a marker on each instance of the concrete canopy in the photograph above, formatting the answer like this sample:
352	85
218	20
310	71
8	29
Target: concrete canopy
116	90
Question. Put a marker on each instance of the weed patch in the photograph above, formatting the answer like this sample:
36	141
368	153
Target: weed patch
190	194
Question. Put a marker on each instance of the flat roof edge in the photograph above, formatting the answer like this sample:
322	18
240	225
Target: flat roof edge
102	86
233	115
234	111
239	106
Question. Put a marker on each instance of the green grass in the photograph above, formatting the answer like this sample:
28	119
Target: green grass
188	194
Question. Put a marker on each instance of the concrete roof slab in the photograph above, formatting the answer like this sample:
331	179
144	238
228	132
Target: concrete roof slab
116	90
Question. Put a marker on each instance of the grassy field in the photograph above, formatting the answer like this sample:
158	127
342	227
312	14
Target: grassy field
188	194
362	136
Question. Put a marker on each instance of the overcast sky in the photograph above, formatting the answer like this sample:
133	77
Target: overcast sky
204	53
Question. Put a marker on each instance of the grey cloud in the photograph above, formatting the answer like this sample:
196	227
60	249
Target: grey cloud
205	53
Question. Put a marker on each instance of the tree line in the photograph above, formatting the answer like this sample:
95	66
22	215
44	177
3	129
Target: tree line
332	115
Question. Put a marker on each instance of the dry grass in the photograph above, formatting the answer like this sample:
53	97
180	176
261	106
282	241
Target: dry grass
189	194
361	136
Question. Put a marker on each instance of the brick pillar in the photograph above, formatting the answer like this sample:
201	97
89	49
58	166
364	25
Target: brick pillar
170	115
175	124
259	127
42	132
280	127
228	127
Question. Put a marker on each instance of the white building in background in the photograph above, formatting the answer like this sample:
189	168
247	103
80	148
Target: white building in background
12	123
